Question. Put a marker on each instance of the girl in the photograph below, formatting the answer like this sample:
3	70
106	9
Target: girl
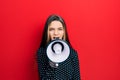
55	27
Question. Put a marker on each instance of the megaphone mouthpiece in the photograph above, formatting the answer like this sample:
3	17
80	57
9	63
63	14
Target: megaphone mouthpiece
57	46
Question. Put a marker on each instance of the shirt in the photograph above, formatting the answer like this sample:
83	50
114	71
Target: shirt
67	70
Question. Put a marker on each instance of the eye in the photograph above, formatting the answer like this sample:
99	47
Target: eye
60	29
51	29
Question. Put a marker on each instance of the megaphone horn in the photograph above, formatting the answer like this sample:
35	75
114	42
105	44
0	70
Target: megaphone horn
58	51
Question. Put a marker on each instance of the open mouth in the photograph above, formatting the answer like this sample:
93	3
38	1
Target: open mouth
55	37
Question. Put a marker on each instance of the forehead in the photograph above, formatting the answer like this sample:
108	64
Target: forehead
55	24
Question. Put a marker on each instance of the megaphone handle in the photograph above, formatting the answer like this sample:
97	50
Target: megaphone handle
52	64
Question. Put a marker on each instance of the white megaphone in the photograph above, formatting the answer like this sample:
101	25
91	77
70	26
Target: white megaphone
57	52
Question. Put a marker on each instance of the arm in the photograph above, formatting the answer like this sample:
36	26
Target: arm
45	71
75	62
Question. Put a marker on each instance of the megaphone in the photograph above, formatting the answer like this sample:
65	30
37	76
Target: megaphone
57	51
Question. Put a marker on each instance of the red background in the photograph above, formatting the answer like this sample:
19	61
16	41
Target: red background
94	31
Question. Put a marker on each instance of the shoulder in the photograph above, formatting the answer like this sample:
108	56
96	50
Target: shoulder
41	50
73	52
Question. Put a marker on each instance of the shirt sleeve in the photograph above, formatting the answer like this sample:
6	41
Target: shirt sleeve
75	62
45	71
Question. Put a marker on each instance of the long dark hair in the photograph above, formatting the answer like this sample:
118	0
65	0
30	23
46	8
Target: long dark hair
45	32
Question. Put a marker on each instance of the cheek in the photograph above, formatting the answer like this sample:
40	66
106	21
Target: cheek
50	34
62	33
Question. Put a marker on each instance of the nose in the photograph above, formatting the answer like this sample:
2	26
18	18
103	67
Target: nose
56	32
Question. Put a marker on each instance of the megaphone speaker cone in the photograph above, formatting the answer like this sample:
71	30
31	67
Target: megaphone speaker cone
58	51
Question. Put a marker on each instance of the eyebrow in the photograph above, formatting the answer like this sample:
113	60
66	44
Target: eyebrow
61	27
58	27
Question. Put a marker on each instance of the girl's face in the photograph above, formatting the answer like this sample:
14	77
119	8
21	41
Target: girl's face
55	30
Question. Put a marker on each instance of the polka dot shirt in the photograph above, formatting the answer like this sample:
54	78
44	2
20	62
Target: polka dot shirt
67	70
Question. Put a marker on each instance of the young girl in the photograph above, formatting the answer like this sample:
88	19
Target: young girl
55	27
